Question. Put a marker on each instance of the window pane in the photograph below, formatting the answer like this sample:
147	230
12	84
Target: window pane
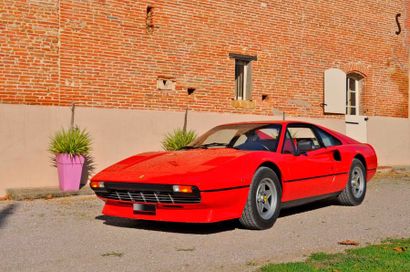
352	84
305	137
239	79
288	145
223	136
242	136
352	99
327	139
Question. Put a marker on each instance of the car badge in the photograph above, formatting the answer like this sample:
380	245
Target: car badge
141	177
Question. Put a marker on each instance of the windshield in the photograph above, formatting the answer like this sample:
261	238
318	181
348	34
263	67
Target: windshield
243	137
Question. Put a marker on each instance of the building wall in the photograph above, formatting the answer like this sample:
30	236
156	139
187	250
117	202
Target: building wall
25	133
102	53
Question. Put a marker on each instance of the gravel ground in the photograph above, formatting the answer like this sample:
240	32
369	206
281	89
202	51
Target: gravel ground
69	234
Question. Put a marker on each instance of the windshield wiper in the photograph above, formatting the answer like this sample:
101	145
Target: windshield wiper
189	147
205	146
215	144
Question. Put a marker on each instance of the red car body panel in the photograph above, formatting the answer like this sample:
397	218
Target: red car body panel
223	176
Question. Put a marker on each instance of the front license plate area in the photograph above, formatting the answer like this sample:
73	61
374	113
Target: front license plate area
144	208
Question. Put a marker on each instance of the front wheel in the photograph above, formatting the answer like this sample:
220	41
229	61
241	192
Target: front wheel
355	189
264	200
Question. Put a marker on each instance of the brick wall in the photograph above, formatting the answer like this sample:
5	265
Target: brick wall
101	53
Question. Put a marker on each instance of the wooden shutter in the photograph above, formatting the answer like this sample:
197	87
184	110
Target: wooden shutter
335	91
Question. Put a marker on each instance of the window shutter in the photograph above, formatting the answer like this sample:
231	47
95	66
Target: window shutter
335	91
248	93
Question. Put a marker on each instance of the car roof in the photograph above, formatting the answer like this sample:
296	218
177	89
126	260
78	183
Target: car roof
279	122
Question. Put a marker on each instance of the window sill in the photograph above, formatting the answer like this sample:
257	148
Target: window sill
244	104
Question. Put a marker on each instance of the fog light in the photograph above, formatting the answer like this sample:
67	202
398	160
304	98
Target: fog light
182	189
97	184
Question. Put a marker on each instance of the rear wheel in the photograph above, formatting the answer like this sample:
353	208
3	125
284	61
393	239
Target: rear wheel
264	200
355	189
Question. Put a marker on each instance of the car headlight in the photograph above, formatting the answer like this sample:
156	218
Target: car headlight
182	189
97	184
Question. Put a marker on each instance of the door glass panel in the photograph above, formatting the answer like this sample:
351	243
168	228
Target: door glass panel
304	138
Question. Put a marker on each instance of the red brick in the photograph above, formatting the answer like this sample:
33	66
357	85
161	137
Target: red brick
107	58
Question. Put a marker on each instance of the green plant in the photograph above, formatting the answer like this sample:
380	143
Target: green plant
391	255
72	141
178	139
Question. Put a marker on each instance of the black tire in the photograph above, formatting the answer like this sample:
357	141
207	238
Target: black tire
351	196
251	217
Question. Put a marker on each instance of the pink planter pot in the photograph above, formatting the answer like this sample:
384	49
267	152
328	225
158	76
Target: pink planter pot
69	171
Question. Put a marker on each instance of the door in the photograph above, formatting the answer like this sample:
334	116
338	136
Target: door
309	166
356	127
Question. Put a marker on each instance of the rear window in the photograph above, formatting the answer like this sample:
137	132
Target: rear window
327	139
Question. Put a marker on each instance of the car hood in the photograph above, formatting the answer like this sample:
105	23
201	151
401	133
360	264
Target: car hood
169	167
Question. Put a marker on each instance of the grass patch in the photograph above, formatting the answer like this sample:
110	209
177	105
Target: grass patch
391	255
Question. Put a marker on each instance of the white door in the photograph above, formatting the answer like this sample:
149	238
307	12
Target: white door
356	127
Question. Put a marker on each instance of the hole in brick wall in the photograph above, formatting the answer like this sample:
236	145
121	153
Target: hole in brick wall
264	97
150	19
166	84
191	91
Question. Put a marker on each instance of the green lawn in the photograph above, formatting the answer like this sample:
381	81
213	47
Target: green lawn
391	255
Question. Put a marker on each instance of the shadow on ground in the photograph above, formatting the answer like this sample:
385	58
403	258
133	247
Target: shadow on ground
187	228
6	212
307	207
201	229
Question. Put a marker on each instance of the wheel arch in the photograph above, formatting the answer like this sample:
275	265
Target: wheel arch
274	168
361	158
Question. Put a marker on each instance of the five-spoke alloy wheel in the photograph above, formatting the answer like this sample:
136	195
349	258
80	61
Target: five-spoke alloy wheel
264	200
355	189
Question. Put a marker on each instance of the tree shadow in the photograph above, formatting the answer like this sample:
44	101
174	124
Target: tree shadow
6	212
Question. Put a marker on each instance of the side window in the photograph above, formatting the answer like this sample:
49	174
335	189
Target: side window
327	139
304	138
288	145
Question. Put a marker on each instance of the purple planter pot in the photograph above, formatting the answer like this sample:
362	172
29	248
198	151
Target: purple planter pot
69	171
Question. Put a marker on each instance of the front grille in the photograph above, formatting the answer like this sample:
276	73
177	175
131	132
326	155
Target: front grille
151	197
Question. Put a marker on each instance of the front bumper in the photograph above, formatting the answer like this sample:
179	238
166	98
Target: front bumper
214	206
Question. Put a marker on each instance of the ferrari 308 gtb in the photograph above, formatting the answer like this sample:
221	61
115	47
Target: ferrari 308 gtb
247	171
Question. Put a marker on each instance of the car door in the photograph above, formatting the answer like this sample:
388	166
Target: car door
308	167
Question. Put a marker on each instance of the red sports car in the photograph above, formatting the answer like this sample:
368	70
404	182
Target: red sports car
248	171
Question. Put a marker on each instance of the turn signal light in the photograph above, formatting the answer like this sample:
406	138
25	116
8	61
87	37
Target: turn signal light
182	189
97	184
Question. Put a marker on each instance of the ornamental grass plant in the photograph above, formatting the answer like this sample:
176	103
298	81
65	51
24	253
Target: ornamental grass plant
177	139
73	142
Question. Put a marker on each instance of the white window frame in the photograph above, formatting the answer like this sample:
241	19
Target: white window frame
246	62
245	87
357	86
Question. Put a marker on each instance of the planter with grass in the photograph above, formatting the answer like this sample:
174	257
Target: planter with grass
70	148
